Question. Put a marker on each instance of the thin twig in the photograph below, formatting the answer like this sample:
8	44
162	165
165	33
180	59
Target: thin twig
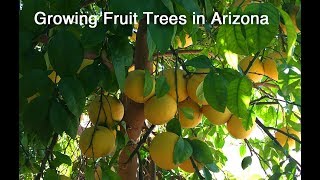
196	168
143	140
46	156
287	134
277	143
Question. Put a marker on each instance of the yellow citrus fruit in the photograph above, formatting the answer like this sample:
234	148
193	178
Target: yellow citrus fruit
255	72
136	25
235	128
193	84
31	98
53	78
161	150
134	86
112	109
63	177
133	37
85	63
132	68
187	166
277	55
98	173
169	74
188	41
196	113
270	68
282	138
214	116
159	111
96	145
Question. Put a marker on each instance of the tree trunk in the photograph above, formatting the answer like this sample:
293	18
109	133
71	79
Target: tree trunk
134	115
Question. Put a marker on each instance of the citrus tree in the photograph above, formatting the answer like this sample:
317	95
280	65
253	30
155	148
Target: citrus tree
153	101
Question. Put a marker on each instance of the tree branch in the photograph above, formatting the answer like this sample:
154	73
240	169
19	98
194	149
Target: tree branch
287	134
46	156
277	143
251	62
196	168
143	140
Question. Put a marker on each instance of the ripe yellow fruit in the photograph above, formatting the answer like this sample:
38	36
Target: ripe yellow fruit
282	138
63	177
112	109
169	74
134	86
159	111
235	128
53	78
255	72
85	63
197	115
188	41
214	116
132	68
133	37
193	84
100	145
187	166
161	150
98	173
270	68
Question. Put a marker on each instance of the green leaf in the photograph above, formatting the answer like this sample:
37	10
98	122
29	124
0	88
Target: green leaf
208	8
239	93
182	151
247	123
246	162
121	55
33	59
291	166
108	174
26	18
120	140
258	36
291	33
199	62
215	91
213	167
169	5
35	81
242	150
232	59
190	5
161	36
148	83
229	74
174	126
35	117
207	174
61	159
200	93
187	112
51	174
90	37
201	151
73	124
65	53
25	42
230	37
275	176
58	117
107	78
162	86
64	7
89	79
73	94
219	141
151	45
89	173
